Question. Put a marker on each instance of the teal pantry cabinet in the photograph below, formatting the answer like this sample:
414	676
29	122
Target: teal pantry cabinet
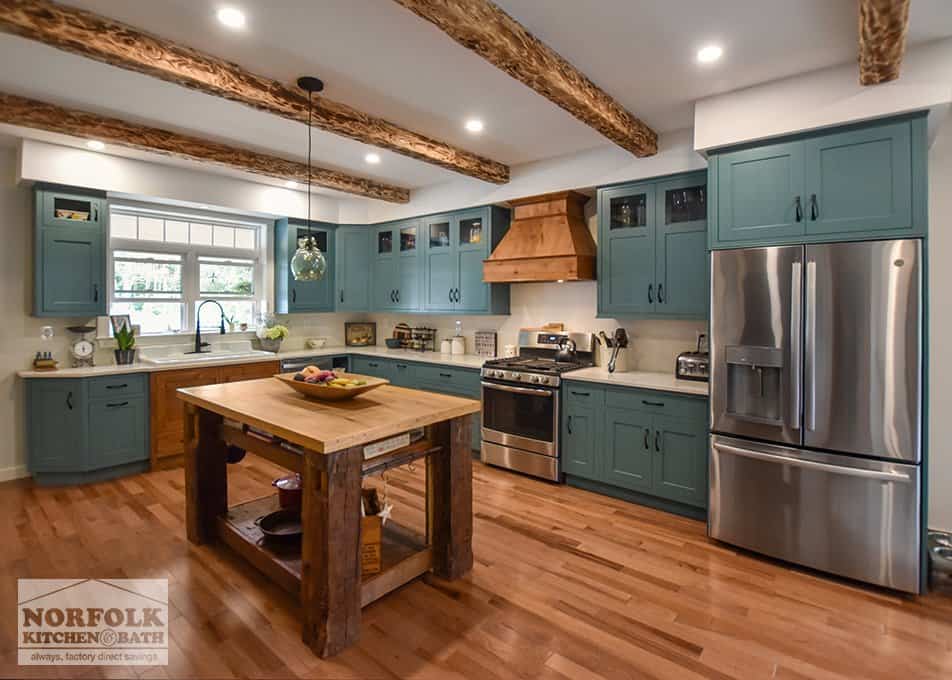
88	429
292	296
69	252
858	182
397	266
352	265
652	256
646	446
454	246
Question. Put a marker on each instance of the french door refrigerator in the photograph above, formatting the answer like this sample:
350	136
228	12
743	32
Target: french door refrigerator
816	406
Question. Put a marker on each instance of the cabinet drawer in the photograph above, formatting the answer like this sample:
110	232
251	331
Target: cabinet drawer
117	431
583	394
449	379
111	386
661	403
371	366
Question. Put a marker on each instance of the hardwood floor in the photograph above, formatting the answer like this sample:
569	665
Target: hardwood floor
566	584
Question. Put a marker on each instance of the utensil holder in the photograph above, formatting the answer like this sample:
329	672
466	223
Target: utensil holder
621	360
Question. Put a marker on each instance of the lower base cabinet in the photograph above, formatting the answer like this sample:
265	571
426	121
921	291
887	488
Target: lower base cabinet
650	443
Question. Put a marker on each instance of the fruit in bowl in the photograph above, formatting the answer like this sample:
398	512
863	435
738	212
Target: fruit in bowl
315	376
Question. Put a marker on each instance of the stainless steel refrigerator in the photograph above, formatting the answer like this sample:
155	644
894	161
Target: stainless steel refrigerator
816	406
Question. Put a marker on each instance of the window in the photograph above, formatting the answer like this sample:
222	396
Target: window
164	265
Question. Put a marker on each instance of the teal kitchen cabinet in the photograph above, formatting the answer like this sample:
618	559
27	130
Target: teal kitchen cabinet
292	296
403	374
397	271
455	246
581	431
384	269
858	182
352	263
652	256
626	457
378	368
88	429
69	253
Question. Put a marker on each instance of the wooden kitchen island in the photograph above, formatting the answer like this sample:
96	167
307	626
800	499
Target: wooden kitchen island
324	442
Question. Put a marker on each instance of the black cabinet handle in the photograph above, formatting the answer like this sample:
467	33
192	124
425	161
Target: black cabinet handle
119	405
581	394
568	424
398	295
341	294
646	439
372	365
799	208
391	295
401	365
657	445
451	294
294	295
652	403
660	293
650	291
446	375
117	387
69	401
814	211
95	213
95	292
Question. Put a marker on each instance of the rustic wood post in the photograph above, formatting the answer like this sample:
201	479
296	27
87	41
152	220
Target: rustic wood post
330	560
449	480
206	475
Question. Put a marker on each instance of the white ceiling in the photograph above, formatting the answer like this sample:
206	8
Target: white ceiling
380	58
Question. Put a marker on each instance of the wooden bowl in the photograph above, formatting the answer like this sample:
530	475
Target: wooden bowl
331	392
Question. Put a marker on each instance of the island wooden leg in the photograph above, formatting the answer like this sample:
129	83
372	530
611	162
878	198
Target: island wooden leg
449	479
206	476
330	552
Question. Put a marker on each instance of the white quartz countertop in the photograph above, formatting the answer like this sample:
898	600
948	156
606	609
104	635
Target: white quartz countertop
459	360
643	379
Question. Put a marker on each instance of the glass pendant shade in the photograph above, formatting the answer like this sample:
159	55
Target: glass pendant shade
308	263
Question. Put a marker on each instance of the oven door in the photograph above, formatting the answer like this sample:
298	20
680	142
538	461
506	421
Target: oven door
524	418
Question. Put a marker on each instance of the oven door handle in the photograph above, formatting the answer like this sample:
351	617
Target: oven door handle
517	390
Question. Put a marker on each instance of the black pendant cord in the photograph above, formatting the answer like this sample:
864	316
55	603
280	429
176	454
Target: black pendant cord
310	238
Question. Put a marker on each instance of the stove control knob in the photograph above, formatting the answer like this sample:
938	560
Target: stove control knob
518	376
537	379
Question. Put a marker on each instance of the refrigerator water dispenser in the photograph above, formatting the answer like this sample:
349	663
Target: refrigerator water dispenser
754	383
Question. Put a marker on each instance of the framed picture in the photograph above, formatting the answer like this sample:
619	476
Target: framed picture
360	334
118	321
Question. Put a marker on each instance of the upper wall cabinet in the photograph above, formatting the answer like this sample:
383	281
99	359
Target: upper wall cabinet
292	296
652	255
352	262
860	182
69	252
397	266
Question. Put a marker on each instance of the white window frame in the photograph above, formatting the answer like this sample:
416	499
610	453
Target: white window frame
190	253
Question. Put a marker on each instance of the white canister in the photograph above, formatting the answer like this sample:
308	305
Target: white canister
446	347
459	345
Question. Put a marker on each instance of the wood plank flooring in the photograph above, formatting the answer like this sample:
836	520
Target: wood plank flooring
566	584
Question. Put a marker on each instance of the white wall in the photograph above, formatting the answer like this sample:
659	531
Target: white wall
823	98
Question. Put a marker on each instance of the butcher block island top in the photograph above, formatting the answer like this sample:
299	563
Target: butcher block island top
330	453
326	427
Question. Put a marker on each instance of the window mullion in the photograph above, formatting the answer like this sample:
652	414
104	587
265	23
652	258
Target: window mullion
191	290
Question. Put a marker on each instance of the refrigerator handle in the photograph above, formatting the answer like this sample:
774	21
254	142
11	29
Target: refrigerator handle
814	465
796	289
810	366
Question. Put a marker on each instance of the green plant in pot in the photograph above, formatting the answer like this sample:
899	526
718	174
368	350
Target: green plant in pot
125	346
271	337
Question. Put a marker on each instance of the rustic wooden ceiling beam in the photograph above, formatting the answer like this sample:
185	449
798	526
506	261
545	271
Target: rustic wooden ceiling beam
883	25
481	26
15	110
111	42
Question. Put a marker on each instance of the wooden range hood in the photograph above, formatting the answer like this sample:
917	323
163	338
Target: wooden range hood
548	240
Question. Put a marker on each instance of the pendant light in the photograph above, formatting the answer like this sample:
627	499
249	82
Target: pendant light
308	263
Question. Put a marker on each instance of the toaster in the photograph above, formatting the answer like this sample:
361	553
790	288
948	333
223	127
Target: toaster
693	365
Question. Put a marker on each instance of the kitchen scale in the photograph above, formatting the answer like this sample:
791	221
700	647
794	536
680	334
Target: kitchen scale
82	350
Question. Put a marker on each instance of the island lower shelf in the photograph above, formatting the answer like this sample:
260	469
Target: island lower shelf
405	554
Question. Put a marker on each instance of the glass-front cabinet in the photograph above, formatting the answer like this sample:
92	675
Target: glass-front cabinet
396	266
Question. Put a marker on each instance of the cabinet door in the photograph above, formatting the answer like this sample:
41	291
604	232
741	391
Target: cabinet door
859	181
384	269
440	268
117	431
352	255
627	452
72	272
167	415
472	239
758	194
626	277
580	445
402	374
681	269
679	452
255	371
407	280
67	209
312	296
56	431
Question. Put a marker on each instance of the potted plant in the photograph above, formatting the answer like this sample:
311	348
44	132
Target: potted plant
232	322
271	337
125	345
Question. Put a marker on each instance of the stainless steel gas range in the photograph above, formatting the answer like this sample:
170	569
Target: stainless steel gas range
521	403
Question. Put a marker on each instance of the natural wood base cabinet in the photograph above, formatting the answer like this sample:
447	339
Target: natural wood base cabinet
167	419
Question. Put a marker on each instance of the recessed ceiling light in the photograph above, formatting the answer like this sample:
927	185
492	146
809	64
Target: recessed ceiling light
372	158
95	145
291	184
474	125
709	54
232	17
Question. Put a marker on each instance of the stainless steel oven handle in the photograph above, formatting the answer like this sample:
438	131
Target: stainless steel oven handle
517	390
813	465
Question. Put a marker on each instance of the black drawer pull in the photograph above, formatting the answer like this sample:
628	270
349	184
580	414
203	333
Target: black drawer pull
657	446
401	365
294	295
446	375
69	401
569	424
372	364
117	387
652	403
119	405
646	439
581	394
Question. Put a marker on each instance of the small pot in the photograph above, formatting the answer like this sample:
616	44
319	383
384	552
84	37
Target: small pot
289	491
125	356
270	345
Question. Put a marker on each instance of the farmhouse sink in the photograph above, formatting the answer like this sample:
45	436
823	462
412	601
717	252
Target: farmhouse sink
180	354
